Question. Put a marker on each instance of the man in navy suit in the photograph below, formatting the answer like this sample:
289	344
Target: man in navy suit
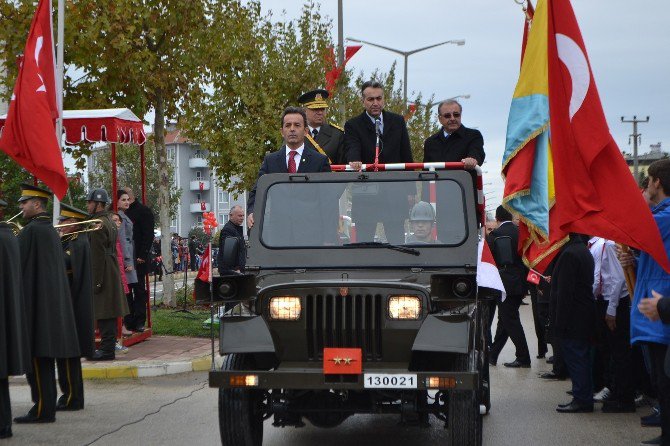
360	135
293	157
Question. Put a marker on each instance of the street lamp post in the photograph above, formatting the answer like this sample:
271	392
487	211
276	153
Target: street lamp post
406	54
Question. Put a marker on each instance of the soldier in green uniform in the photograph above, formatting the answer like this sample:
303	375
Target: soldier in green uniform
77	256
108	297
52	332
14	354
326	138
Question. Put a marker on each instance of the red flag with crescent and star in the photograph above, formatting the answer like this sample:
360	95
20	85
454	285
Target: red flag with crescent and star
595	191
29	135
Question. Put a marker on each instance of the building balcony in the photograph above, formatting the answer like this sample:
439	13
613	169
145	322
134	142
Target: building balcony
196	184
197	207
197	162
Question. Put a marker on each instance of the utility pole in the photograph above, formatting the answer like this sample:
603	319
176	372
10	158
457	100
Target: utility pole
340	49
636	137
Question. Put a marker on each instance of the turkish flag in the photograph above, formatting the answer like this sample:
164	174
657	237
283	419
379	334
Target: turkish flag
29	136
488	275
203	272
595	191
333	72
533	277
203	206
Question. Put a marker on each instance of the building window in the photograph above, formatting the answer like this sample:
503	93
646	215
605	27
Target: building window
224	197
197	197
173	223
223	219
199	220
198	174
170	153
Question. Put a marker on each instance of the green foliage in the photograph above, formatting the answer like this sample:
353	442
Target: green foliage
165	322
200	235
130	174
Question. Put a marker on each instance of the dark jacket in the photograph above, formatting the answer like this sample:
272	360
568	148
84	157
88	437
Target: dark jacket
275	162
14	346
503	242
360	139
77	255
331	140
232	230
49	314
108	296
463	143
143	235
572	292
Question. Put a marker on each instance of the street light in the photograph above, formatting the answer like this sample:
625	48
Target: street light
406	54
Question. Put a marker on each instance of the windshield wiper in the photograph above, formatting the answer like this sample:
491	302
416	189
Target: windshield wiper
404	249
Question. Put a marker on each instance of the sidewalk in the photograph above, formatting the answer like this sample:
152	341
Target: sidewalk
157	356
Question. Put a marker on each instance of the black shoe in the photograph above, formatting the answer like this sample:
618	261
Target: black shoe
651	420
30	418
541	355
552	376
517	364
139	329
493	362
6	432
62	406
656	440
99	355
575	407
618	407
550	360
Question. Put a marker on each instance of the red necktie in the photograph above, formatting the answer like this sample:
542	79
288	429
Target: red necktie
291	161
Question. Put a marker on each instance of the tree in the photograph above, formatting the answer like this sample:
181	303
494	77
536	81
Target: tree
252	76
130	174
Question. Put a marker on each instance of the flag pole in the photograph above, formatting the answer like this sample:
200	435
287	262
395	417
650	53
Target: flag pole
59	87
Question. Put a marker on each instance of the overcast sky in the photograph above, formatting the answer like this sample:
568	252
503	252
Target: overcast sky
627	43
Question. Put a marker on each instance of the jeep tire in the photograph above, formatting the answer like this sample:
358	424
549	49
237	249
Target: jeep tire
465	420
240	410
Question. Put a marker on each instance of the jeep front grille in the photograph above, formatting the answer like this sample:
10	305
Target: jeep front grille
350	321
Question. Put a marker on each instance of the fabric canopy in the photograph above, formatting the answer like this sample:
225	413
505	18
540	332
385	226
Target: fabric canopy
118	125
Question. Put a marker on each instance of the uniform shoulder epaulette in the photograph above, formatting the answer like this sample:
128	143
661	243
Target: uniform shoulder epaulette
337	127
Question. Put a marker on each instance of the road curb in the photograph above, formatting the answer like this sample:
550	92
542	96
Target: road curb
146	370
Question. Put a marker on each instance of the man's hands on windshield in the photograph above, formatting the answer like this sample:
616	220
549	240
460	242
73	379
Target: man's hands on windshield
250	220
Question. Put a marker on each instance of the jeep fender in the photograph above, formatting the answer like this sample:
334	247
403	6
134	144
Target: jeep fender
444	333
245	334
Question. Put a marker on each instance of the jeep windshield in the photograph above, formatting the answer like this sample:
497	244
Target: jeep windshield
339	214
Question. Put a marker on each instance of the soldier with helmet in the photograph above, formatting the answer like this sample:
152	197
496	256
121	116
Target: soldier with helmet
108	296
77	256
326	138
14	355
52	332
422	223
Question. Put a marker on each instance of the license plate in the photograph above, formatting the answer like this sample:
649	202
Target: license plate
389	381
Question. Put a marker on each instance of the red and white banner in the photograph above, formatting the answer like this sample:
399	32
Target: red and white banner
487	271
29	136
204	271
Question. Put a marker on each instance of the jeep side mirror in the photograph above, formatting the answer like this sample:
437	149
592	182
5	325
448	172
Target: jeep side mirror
232	287
230	251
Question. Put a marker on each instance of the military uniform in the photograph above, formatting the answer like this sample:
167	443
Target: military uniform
328	139
14	353
77	257
108	296
50	320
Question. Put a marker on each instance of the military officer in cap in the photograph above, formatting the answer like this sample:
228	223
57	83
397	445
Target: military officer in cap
52	332
328	139
77	256
14	353
108	296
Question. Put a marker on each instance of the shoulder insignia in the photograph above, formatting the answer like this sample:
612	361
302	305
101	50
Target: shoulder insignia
341	129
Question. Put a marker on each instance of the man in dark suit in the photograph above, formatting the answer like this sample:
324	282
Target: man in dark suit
233	228
574	318
293	157
503	242
360	138
327	139
143	237
454	142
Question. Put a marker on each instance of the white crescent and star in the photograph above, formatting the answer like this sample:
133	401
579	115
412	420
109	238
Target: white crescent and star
574	59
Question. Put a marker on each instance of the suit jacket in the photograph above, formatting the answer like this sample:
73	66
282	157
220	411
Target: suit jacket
462	143
514	275
143	235
572	292
275	162
331	140
360	139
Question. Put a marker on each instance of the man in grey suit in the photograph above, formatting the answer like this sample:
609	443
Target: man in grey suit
326	138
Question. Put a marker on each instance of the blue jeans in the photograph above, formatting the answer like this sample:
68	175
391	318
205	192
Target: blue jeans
577	356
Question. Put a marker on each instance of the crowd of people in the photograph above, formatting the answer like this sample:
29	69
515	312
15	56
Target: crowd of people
608	334
59	283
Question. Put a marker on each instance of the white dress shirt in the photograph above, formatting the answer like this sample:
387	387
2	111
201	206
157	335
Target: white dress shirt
311	130
381	121
297	158
608	277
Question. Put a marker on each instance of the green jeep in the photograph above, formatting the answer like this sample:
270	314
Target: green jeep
381	320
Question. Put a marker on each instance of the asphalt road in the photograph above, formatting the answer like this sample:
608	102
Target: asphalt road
130	412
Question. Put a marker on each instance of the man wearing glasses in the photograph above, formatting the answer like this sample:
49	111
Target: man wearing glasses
454	142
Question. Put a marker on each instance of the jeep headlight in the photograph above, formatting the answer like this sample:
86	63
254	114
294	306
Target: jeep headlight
285	308
404	307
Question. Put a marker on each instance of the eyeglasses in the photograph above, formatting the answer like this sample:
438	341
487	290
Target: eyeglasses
449	115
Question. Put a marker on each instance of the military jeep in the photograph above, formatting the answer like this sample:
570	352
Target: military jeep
378	322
